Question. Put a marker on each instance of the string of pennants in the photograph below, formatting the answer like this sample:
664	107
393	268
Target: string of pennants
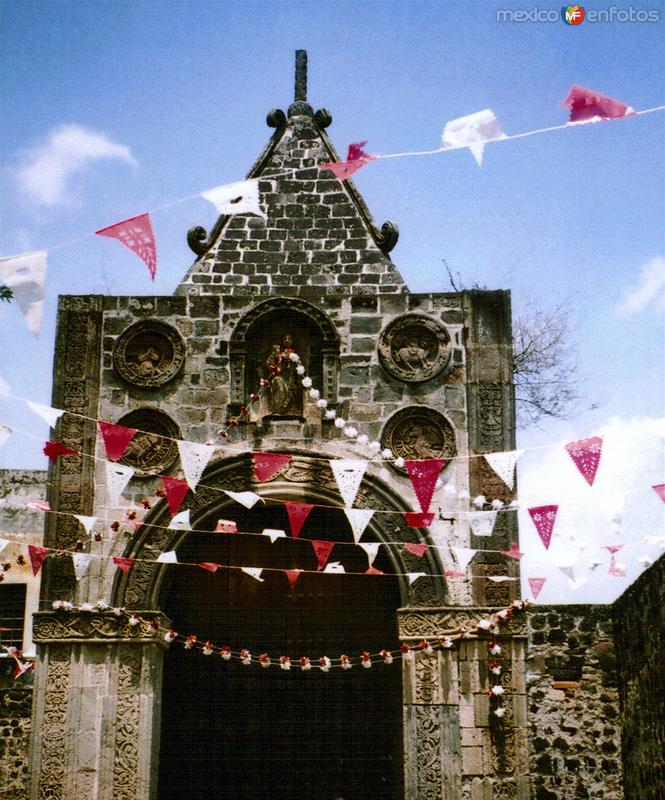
487	629
25	273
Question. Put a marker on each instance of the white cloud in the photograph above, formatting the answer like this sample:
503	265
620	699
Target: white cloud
45	170
650	289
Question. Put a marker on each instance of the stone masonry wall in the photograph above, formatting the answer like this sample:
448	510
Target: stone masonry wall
572	698
639	625
15	708
17	486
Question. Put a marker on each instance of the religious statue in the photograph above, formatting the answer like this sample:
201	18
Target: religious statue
283	395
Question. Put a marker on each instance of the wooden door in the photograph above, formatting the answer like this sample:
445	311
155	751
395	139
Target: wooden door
232	731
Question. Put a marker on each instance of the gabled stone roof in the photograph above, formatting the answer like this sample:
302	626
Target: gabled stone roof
319	237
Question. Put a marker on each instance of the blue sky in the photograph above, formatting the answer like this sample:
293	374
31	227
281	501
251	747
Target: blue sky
178	93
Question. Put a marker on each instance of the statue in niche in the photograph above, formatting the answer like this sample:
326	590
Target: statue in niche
283	395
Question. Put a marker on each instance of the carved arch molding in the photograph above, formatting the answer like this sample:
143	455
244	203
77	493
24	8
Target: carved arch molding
307	478
312	318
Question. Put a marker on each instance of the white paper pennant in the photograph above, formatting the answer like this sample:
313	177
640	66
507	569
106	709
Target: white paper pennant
482	522
371	548
81	564
569	572
473	131
180	522
500	578
169	557
504	465
334	567
117	478
5	433
194	458
349	475
3	544
358	519
274	534
25	275
48	414
463	555
413	576
241	197
247	499
255	572
87	522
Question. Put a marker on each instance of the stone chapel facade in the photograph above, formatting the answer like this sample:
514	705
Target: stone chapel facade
117	714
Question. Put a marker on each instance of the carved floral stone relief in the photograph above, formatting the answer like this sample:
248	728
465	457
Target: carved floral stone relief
149	353
414	348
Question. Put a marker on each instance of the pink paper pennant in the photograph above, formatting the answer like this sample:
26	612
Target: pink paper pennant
536	585
615	570
424	474
356	152
513	552
210	566
56	449
586	105
452	573
123	564
417	549
226	526
37	556
586	455
322	550
175	489
416	519
373	571
39	505
137	235
613	548
356	158
543	518
116	439
292	575
659	489
298	513
267	465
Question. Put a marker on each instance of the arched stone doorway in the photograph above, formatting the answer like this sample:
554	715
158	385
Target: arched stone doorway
267	733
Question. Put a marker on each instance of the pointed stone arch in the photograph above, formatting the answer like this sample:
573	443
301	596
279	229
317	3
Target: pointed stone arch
308	478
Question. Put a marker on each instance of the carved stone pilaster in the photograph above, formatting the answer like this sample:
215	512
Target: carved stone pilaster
57	627
424	623
432	753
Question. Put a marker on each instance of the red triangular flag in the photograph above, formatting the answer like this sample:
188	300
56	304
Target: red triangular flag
298	513
209	565
417	549
123	564
373	571
423	474
136	234
175	489
226	526
585	105
659	489
536	585
37	556
453	573
586	455
356	152
613	548
267	465
513	552
543	518
416	519
322	550
116	439
292	575
356	158
55	449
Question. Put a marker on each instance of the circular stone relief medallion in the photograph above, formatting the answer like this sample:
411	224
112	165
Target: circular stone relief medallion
414	348
152	449
149	353
418	432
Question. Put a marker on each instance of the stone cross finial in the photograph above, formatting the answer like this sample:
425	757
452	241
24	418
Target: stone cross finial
301	76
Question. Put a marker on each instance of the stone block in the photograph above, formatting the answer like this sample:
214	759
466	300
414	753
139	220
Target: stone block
472	760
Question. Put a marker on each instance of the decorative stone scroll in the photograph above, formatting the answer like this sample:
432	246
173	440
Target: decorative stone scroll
414	348
418	432
149	353
423	623
96	626
147	453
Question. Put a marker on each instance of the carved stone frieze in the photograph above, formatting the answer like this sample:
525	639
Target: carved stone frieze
128	714
418	432
53	727
149	353
414	348
153	448
431	622
89	626
490	406
428	754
